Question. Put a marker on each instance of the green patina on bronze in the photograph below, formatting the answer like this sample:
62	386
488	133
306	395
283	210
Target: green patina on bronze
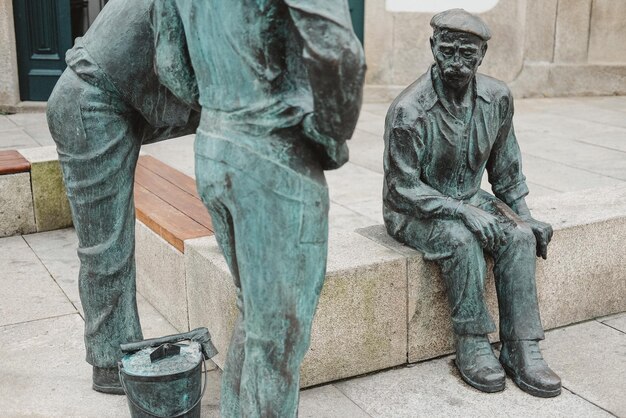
441	134
108	102
280	84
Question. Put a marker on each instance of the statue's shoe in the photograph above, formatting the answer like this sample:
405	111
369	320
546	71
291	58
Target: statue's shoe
107	380
477	363
522	360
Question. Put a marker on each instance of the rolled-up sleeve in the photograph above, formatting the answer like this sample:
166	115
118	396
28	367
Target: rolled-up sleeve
335	62
404	191
504	166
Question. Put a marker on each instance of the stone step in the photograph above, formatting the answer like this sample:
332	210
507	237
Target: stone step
382	305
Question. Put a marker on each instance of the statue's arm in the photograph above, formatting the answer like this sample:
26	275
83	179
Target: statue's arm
171	61
508	182
335	62
405	191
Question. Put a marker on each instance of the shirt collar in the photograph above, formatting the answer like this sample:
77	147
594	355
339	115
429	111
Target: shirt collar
430	97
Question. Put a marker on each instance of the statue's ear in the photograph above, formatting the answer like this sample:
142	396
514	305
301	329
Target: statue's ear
484	51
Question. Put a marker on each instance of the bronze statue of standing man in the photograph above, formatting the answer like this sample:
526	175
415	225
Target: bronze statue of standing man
441	134
280	85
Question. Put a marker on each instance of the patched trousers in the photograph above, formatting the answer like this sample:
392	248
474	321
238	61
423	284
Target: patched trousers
461	259
271	223
98	137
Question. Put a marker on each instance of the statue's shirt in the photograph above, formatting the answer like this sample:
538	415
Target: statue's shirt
120	46
261	65
433	159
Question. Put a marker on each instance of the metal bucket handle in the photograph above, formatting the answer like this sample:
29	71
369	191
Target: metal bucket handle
204	385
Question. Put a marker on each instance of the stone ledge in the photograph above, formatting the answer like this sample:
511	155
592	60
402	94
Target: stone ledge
360	322
34	200
584	276
382	305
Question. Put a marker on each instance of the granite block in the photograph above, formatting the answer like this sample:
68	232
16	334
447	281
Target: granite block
161	276
17	215
52	209
360	324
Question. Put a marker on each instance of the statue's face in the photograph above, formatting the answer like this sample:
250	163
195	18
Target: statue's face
458	55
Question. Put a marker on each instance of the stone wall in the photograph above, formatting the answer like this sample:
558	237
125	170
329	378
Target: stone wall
540	47
9	85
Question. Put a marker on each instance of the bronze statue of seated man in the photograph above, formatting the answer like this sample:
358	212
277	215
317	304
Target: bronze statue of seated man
441	133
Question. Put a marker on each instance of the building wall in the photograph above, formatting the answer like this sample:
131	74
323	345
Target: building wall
540	47
9	85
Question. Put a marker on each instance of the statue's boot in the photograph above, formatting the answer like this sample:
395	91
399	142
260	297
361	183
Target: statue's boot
477	363
523	361
107	380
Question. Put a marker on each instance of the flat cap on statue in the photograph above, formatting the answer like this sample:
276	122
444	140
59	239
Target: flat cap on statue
459	20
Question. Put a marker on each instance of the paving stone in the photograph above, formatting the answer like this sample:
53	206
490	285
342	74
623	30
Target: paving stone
363	300
342	184
15	138
435	389
366	150
27	291
616	321
52	209
161	276
5	124
372	209
565	178
17	215
44	372
57	251
345	219
27	119
591	360
327	402
598	160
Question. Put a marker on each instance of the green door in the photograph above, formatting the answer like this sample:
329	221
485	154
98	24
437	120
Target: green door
357	11
43	33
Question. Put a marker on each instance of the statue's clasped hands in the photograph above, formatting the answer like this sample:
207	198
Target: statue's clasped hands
484	225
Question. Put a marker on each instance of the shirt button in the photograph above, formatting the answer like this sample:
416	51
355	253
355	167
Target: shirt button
461	181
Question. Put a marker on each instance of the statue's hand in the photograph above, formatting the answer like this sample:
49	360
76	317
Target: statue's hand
543	234
483	224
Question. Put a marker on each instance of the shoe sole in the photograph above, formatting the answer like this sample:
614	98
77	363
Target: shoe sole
109	390
479	386
530	389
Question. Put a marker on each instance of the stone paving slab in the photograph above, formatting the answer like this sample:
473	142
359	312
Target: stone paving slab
328	402
616	321
591	360
435	389
57	251
44	372
27	291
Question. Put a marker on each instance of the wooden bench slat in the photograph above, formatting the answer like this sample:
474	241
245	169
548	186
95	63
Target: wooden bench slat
180	180
12	162
168	222
10	155
188	204
14	166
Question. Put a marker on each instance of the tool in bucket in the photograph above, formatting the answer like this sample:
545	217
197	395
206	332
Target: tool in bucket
162	376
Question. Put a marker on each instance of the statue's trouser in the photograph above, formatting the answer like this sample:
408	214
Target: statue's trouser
98	138
272	225
461	259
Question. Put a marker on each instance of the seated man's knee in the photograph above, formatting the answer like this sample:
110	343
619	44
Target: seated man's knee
462	241
522	235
